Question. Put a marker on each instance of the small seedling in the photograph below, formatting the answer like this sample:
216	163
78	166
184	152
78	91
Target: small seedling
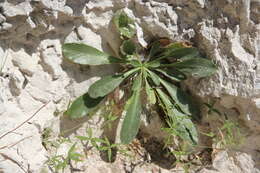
109	114
153	74
46	135
109	119
229	135
59	162
226	136
101	144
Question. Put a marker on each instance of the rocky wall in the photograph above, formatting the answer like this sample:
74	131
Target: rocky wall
34	73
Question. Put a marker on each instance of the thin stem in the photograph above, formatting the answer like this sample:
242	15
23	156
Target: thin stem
24	121
5	58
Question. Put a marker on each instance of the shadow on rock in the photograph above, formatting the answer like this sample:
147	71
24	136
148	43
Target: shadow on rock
69	126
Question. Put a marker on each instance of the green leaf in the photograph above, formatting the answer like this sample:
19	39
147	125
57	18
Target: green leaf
86	55
172	74
198	67
128	47
177	51
153	64
124	24
183	123
150	93
83	138
181	99
107	84
137	82
131	122
72	149
82	106
155	78
155	49
135	63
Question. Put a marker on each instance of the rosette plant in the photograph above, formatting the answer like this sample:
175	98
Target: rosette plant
153	72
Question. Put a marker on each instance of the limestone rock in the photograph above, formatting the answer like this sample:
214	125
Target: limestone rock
16	82
239	162
35	73
26	63
21	9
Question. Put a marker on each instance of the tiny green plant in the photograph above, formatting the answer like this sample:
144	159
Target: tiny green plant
60	162
109	119
101	144
153	74
228	135
109	115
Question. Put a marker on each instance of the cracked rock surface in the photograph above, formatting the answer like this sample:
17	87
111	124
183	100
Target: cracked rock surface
33	71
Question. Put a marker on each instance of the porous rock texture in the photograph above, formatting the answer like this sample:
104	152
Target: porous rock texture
34	72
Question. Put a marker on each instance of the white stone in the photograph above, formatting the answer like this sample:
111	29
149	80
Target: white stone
201	3
51	57
238	162
98	21
26	63
2	18
21	9
55	5
16	82
6	26
257	102
89	37
99	5
140	36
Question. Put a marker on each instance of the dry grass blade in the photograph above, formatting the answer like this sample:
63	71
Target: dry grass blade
25	121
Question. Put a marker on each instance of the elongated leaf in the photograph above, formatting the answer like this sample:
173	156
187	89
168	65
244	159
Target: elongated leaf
86	55
186	52
181	99
178	51
172	74
155	78
131	122
155	49
137	82
124	24
159	46
153	64
82	106
107	84
183	123
198	67
150	93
